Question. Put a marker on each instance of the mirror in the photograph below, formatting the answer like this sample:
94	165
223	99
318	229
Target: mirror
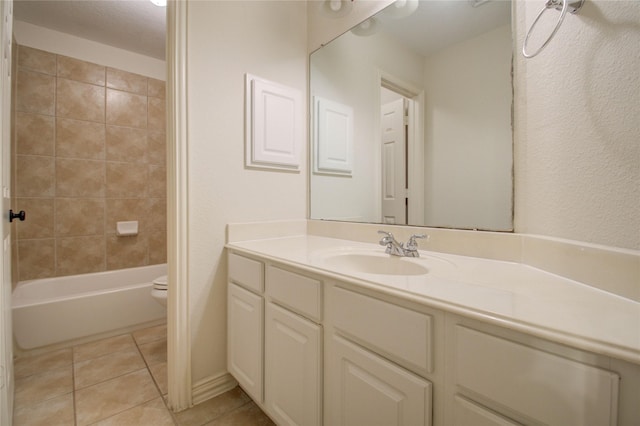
411	118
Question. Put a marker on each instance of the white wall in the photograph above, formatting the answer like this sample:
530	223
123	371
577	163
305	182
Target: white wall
75	47
227	39
468	137
577	162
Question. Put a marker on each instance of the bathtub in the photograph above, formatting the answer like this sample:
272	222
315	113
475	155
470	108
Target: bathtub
55	310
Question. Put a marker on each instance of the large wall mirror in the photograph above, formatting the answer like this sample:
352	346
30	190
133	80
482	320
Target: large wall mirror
411	118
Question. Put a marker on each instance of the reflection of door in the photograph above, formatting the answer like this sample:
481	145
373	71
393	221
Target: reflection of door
394	170
6	341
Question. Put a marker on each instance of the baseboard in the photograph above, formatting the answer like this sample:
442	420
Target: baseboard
211	387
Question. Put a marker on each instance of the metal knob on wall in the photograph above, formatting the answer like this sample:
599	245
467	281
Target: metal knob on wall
20	215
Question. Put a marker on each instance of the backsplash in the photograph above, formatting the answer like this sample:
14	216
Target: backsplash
90	152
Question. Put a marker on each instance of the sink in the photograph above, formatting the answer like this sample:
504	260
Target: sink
374	263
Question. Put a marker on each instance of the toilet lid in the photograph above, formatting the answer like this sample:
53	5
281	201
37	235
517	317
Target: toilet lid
160	283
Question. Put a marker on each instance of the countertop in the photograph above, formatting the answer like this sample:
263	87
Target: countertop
507	294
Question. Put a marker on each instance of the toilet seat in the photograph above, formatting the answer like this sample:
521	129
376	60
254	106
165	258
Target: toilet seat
160	283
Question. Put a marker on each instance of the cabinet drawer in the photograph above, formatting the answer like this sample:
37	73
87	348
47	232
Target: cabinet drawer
295	291
539	385
247	272
468	413
398	333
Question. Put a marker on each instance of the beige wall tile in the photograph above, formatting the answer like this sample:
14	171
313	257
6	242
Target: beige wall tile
156	115
126	81
157	246
126	144
34	134
126	109
126	180
86	72
79	178
80	255
157	214
66	150
126	252
80	101
37	259
156	88
157	148
79	216
35	176
157	181
80	139
39	222
126	209
35	93
36	60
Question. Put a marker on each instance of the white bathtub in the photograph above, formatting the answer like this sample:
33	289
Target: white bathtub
55	310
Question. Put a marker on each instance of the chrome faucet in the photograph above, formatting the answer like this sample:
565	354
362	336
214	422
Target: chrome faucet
395	248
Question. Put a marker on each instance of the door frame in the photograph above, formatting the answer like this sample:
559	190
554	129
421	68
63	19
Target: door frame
180	395
415	143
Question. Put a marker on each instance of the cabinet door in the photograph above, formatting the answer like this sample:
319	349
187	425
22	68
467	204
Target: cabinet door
245	339
292	368
365	389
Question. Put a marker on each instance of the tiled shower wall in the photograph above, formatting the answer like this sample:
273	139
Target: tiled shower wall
90	152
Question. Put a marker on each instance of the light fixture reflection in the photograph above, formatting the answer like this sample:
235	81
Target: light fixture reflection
161	3
335	8
366	28
401	8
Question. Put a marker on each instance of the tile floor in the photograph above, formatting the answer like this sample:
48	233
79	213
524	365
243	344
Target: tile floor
116	381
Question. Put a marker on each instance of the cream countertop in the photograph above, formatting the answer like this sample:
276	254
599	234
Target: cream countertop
508	294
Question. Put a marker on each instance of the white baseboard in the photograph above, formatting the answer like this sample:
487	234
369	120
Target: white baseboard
211	387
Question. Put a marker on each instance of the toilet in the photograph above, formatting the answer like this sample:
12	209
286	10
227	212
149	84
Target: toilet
159	291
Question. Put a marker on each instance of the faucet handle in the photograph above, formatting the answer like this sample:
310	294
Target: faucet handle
388	237
388	234
412	244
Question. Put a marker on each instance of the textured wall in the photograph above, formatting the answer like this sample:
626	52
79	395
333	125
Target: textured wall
90	143
577	164
227	39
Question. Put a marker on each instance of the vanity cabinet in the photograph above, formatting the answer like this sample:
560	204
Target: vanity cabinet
376	357
293	348
313	350
509	378
245	319
275	339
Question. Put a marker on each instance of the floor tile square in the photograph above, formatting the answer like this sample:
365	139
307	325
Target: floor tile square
152	413
213	408
40	387
114	396
247	415
96	370
55	411
150	334
33	364
102	347
159	373
154	352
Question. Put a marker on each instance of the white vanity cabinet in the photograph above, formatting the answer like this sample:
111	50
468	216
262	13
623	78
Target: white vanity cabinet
312	349
275	339
245	319
498	377
293	348
372	348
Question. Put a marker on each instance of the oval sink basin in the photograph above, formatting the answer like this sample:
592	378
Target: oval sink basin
374	263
